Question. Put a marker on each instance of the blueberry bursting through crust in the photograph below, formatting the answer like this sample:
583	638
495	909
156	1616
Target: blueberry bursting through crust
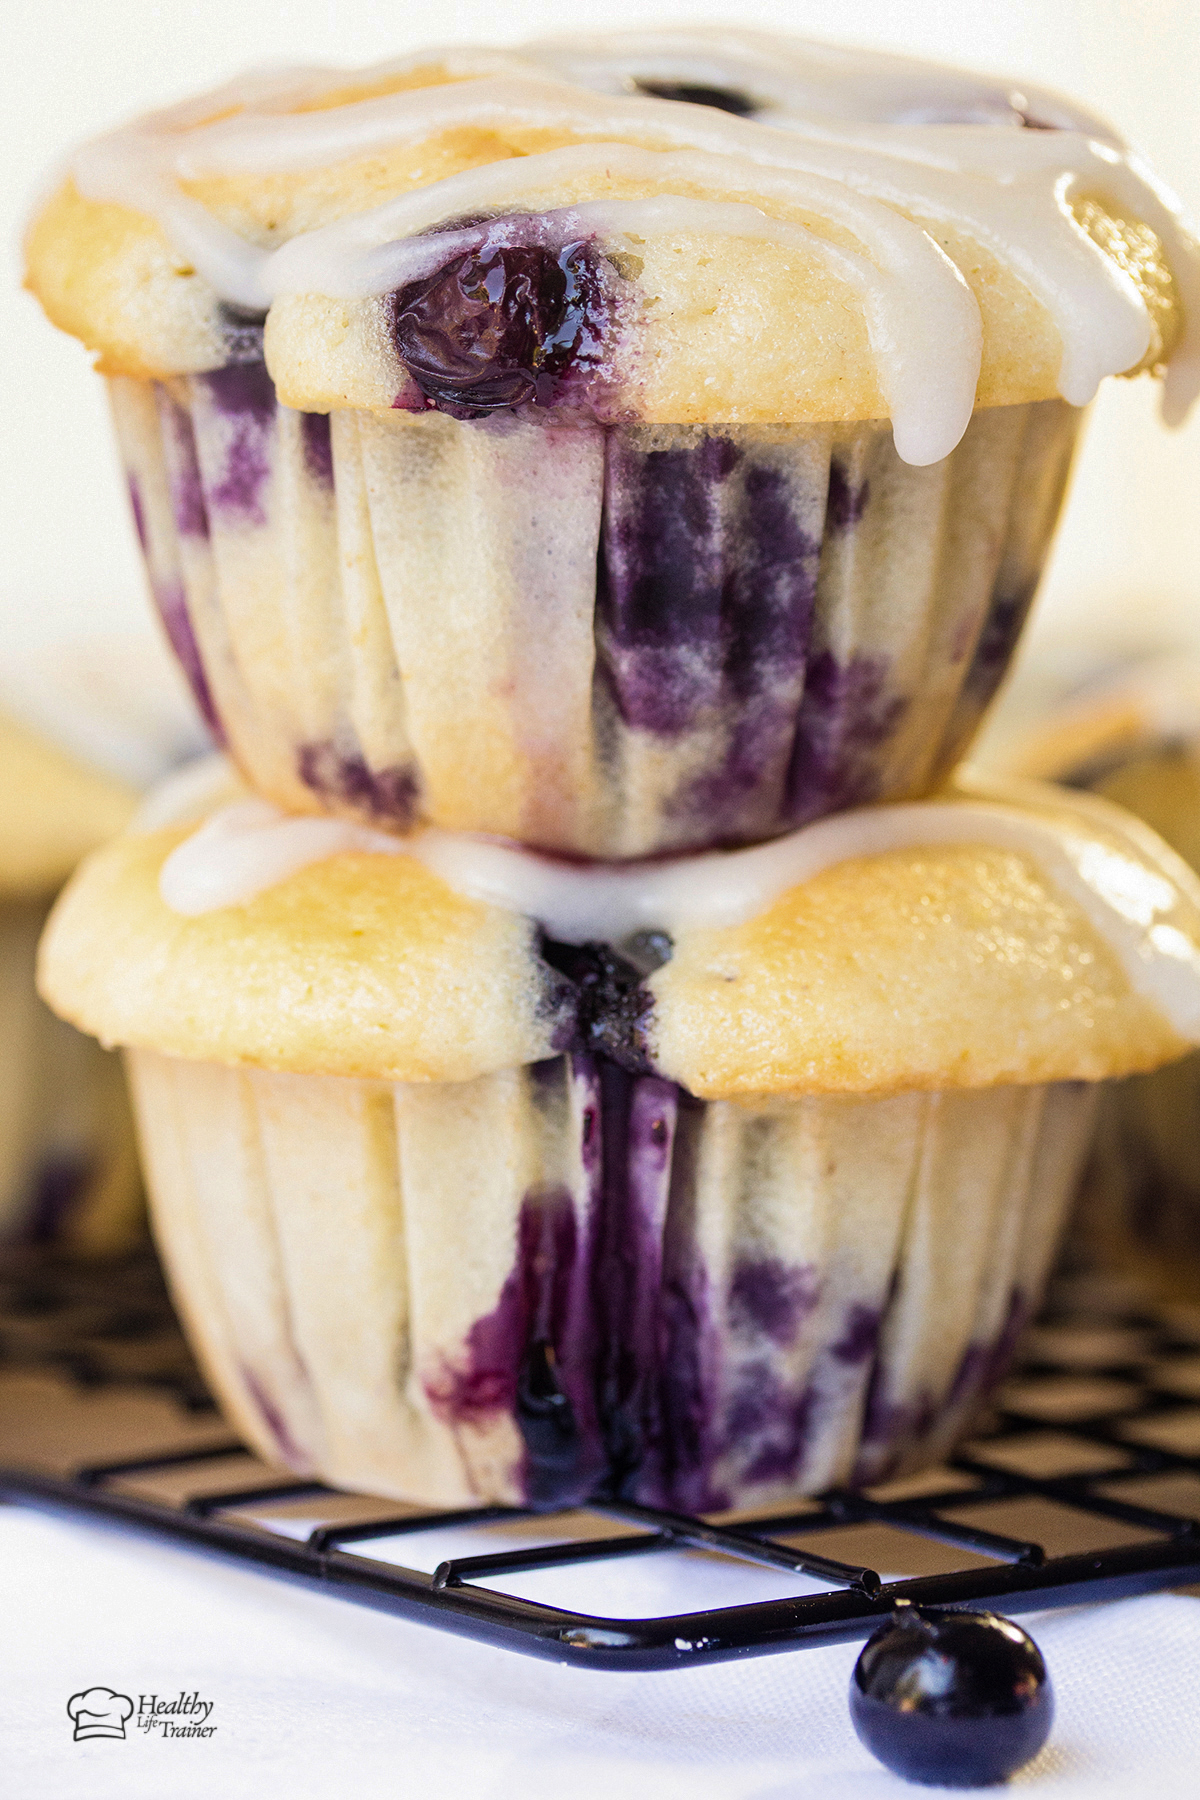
500	327
610	1004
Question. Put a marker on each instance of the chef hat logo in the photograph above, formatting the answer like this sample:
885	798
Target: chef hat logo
99	1712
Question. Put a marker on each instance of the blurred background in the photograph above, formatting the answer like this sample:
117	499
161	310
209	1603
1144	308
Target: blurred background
1127	565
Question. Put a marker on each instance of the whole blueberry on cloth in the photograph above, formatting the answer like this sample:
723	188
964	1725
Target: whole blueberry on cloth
951	1699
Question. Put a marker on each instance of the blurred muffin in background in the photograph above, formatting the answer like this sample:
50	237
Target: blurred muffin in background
68	1164
1132	734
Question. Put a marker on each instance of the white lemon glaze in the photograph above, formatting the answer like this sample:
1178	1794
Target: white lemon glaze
1141	899
855	138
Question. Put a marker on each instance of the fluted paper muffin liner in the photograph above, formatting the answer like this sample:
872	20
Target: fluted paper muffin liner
609	640
567	1280
68	1160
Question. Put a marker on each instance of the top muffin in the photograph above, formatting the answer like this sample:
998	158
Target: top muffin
625	446
670	227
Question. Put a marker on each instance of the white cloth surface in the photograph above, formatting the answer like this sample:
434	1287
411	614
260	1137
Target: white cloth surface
316	1698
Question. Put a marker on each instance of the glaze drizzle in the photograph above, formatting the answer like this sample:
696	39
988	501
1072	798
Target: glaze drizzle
1140	900
875	151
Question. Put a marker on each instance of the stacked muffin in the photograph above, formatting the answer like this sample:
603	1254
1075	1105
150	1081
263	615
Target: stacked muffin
595	493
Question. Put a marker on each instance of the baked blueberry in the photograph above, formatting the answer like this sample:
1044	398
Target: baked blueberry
726	99
956	1699
610	1002
499	326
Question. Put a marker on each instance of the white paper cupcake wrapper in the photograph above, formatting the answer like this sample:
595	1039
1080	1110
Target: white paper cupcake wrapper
68	1160
610	640
565	1280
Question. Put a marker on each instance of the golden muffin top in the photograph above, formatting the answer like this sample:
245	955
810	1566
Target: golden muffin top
53	810
1004	933
700	226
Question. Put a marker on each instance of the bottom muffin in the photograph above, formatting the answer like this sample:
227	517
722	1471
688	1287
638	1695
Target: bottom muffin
566	1278
462	1206
68	1161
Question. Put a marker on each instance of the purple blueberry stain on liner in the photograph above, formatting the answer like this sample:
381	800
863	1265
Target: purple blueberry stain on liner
604	1348
171	600
772	1298
658	585
706	585
317	438
242	397
138	511
847	714
513	1353
984	1364
385	796
893	1430
996	642
772	1423
846	503
187	489
290	1453
860	1335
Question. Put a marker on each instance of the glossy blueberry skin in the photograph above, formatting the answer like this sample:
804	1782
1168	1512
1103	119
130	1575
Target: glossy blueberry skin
729	100
498	327
952	1699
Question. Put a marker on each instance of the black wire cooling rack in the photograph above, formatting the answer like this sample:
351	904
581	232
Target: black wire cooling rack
1083	1485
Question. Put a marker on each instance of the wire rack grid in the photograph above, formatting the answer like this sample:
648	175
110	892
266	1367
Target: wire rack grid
1083	1485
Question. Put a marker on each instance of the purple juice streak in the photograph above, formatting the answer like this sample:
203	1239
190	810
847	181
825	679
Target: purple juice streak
891	1430
317	437
513	1360
996	643
187	488
386	796
894	1430
290	1453
845	503
243	395
768	602
984	1365
171	601
138	511
772	1298
689	1375
846	716
637	1122
600	1344
603	1345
